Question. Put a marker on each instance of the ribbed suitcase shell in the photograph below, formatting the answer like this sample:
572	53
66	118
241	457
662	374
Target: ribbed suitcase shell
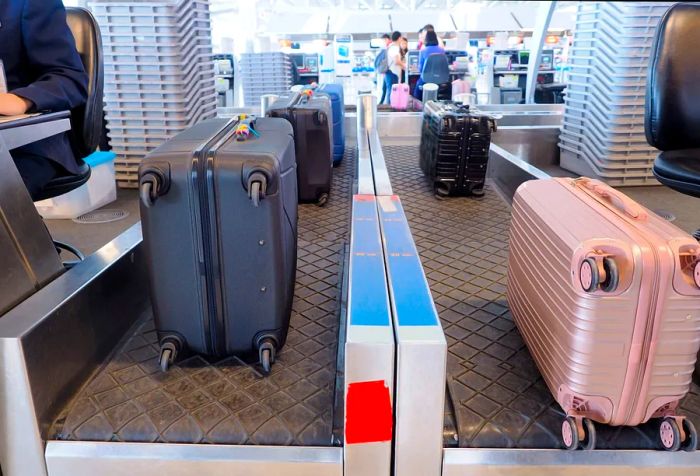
617	357
222	270
454	148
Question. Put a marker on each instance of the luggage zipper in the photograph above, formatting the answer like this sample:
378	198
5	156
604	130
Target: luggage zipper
653	304
201	178
648	331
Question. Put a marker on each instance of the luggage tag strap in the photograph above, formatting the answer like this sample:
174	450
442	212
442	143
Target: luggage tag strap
604	192
245	128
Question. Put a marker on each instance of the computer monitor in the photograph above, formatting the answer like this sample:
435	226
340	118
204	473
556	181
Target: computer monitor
502	61
523	57
298	60
452	55
311	63
547	61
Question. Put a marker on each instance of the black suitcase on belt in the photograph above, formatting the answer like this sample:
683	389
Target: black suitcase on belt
454	148
219	218
310	115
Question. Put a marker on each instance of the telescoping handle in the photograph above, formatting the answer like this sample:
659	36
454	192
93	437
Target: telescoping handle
619	200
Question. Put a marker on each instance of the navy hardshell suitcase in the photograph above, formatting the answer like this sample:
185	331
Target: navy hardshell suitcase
336	95
219	218
310	117
454	148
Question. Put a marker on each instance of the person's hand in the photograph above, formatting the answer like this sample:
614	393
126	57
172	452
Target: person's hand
11	105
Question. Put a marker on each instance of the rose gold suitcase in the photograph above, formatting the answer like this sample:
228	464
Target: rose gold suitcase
607	297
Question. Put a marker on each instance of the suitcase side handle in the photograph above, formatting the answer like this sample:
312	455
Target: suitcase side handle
619	200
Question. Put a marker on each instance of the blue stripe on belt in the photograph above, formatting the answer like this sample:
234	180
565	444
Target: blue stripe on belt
411	296
368	293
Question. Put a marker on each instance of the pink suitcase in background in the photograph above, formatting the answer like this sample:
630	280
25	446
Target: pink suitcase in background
400	96
460	86
606	295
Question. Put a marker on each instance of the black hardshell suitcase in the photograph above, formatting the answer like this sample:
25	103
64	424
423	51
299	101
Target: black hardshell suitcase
311	119
454	149
219	218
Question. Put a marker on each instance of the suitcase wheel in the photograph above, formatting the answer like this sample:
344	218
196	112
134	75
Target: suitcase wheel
166	358
577	432
168	352
267	350
590	440
442	191
257	187
569	433
669	434
612	275
589	275
322	200
691	439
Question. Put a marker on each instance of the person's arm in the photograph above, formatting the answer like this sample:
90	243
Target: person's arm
50	49
13	105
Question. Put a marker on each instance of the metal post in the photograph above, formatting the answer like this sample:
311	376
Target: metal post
366	117
544	17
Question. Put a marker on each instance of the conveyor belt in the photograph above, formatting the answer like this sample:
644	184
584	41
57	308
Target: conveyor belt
496	396
229	402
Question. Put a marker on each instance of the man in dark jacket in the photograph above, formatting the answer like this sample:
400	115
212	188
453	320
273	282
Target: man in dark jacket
44	73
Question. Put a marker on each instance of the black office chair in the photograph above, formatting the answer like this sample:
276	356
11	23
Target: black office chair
86	121
437	71
672	115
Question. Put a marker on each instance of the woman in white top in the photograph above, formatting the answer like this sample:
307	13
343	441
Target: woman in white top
396	64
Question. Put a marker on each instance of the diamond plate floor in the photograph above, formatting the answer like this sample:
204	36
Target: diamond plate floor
496	396
229	402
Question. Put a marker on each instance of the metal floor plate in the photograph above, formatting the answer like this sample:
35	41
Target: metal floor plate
496	396
229	402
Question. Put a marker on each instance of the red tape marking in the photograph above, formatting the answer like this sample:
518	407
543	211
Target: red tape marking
368	415
363	198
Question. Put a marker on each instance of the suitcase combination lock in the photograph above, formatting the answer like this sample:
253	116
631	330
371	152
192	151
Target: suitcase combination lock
599	272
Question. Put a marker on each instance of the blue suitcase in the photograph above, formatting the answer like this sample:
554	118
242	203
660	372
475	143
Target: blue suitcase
335	93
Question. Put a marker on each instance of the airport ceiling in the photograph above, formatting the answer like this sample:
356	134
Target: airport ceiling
364	5
363	17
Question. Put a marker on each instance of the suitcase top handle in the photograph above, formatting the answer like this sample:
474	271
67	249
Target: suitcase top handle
605	192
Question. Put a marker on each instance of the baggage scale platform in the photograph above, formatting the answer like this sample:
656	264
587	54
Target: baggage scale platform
496	397
97	408
229	402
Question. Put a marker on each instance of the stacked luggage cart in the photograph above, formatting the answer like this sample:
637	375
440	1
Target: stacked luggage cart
265	73
159	74
603	131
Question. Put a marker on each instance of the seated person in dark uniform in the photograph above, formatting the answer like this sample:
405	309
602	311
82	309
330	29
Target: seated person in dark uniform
44	73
